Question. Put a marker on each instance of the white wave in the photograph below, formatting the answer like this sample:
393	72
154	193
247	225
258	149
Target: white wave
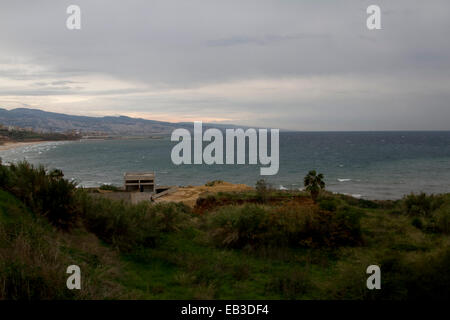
282	187
344	180
354	195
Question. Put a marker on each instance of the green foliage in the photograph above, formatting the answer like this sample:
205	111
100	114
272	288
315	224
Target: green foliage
128	226
313	183
421	204
328	204
424	278
294	226
417	222
34	258
361	203
235	247
47	194
442	218
109	187
213	183
347	226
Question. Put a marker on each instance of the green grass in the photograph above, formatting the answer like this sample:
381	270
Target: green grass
230	246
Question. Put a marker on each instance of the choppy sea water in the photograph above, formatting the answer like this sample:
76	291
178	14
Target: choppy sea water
373	165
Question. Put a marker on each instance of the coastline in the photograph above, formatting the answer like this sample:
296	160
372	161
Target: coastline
12	145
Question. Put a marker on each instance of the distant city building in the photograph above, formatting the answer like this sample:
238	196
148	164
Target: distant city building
140	181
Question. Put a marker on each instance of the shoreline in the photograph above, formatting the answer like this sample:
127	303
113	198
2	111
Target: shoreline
13	145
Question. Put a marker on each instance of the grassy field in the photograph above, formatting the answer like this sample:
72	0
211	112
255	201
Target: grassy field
259	244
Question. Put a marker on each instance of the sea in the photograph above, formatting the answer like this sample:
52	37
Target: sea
370	165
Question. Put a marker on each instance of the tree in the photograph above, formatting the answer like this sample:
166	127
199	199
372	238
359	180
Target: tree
56	174
314	183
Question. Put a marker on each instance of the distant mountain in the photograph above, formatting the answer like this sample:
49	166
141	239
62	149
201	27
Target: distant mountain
39	120
43	121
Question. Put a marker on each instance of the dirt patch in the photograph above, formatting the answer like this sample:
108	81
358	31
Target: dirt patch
189	195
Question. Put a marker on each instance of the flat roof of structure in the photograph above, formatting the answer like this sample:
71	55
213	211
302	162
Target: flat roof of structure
139	175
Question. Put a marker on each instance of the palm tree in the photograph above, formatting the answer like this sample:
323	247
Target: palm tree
314	183
56	174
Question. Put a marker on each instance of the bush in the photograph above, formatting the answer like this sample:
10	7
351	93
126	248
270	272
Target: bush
417	222
288	225
128	226
421	204
34	257
109	187
361	203
46	194
426	277
403	277
442	218
213	183
346	227
239	226
328	204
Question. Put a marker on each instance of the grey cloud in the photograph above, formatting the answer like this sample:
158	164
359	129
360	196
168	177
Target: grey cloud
177	45
63	82
264	40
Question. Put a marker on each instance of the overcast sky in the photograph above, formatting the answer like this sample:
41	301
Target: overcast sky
293	64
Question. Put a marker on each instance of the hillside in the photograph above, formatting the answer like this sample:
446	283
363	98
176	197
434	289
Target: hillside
13	135
230	245
39	120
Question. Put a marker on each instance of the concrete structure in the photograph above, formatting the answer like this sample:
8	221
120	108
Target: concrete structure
139	181
130	197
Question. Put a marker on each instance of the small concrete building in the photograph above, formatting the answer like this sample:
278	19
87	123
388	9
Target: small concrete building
140	181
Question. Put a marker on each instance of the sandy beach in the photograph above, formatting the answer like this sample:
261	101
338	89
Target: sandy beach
12	145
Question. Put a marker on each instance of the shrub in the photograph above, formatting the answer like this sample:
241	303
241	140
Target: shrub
239	226
128	226
213	183
109	187
46	194
442	218
426	277
361	203
34	257
345	226
328	204
404	277
422	204
288	225
417	222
